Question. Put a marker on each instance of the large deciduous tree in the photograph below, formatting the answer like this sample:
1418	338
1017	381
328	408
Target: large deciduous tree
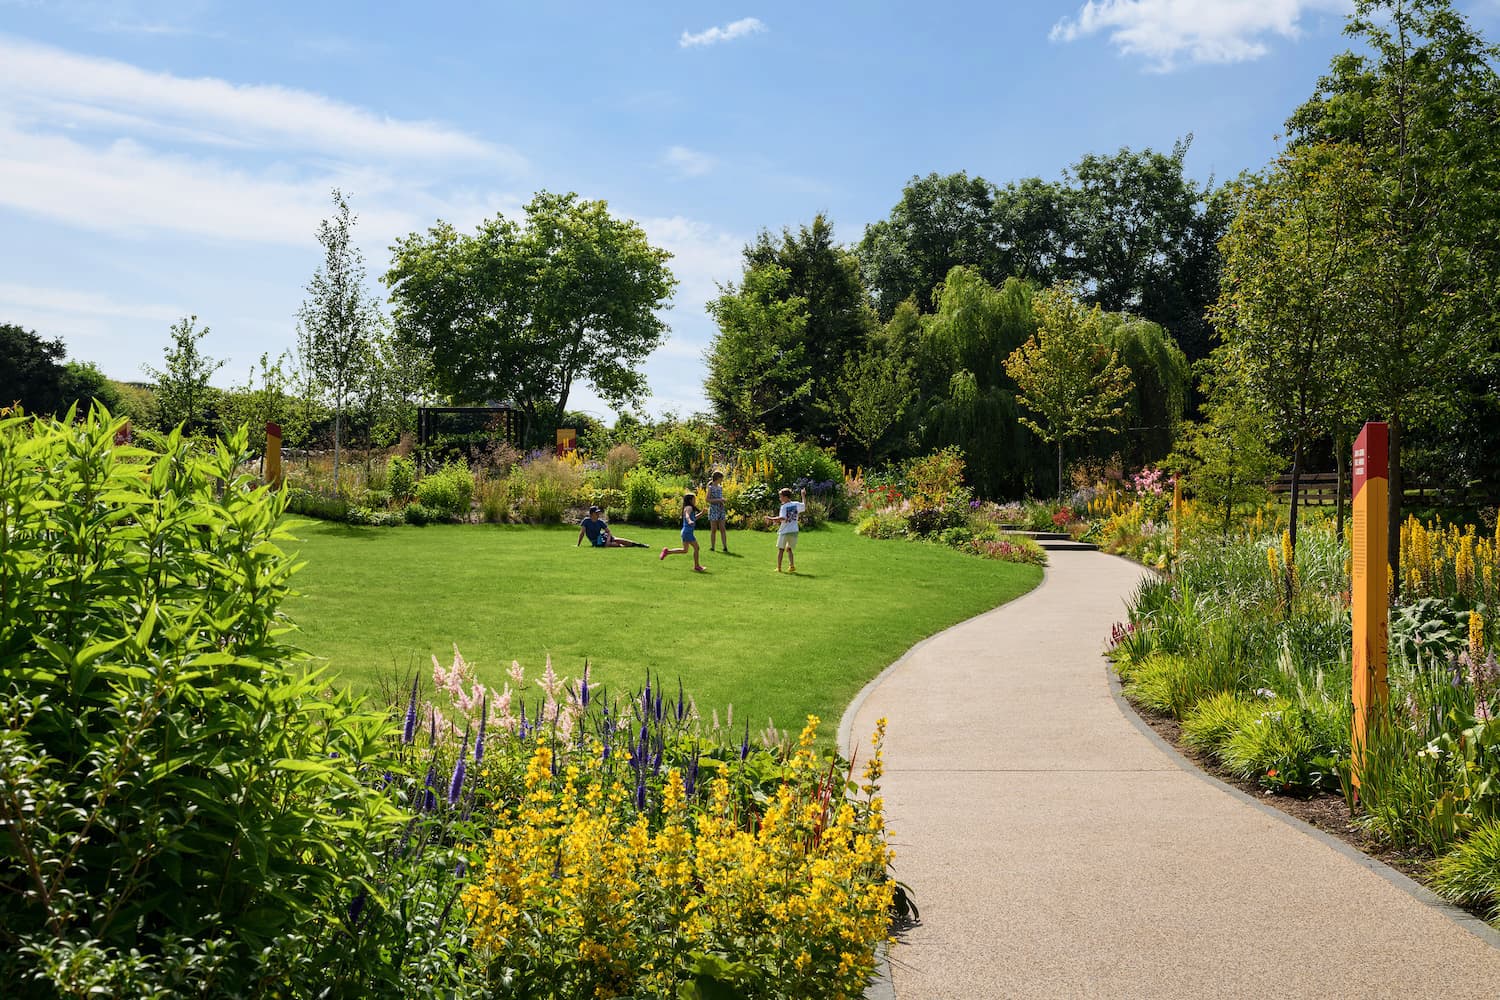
518	314
1069	378
1423	104
757	363
337	317
805	293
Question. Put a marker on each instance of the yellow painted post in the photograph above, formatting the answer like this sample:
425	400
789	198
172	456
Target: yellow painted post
1176	515
274	475
1369	593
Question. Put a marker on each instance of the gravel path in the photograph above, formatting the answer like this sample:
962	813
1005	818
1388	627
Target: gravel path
1058	849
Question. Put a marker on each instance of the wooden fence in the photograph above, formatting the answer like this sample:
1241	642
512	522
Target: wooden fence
1320	489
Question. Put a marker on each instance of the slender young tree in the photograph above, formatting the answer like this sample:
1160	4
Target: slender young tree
182	387
1068	378
337	316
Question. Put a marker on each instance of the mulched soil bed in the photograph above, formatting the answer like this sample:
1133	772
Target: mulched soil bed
1329	813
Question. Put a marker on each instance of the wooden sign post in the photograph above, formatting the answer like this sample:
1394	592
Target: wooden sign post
273	455
1369	595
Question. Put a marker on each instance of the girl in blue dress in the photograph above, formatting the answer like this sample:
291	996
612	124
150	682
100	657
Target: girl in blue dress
689	521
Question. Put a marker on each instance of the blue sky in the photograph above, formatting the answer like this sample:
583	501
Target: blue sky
165	158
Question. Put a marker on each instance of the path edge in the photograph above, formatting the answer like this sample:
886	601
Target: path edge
845	735
1463	918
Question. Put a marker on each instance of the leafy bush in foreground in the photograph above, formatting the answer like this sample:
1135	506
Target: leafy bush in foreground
181	805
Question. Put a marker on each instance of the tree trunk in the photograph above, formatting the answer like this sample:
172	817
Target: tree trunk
1059	469
1393	523
337	413
1292	520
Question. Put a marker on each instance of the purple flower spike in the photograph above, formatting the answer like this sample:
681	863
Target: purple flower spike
356	907
432	732
640	795
745	743
583	686
460	868
409	731
429	801
681	708
456	783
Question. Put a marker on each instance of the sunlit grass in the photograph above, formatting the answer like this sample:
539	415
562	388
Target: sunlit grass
378	603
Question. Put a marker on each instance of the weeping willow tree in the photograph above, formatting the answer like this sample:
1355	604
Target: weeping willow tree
966	399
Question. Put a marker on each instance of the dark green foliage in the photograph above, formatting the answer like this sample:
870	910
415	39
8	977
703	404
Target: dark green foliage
31	370
786	333
182	804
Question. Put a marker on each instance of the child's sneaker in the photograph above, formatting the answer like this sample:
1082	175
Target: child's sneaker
662	556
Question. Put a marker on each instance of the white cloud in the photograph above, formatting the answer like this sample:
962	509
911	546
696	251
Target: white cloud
67	300
728	33
1203	31
688	162
42	79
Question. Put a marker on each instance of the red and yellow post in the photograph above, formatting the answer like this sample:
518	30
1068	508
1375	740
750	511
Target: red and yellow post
273	455
1369	592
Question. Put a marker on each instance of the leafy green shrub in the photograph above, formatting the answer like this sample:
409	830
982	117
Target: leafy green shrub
882	525
936	481
182	803
1470	874
449	489
608	499
310	504
642	494
782	460
956	538
1010	548
419	515
400	477
377	498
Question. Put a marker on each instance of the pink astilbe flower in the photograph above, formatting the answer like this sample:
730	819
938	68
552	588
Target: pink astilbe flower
518	675
503	717
549	681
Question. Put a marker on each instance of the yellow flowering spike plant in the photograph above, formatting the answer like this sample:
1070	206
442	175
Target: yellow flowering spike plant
602	878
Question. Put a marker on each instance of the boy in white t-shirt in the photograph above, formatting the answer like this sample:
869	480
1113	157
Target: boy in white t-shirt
786	536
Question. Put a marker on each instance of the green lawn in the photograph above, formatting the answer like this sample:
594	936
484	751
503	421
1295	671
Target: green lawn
376	602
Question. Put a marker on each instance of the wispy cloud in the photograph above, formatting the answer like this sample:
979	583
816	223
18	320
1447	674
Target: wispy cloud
688	162
1202	31
712	36
41	78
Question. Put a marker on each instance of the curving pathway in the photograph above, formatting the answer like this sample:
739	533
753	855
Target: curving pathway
1057	849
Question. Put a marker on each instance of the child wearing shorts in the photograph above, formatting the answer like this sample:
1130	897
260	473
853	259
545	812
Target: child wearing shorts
786	535
689	521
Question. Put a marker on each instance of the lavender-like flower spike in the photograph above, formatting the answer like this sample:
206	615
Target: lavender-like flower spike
456	783
640	794
484	710
409	731
429	801
583	686
432	732
681	705
745	743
